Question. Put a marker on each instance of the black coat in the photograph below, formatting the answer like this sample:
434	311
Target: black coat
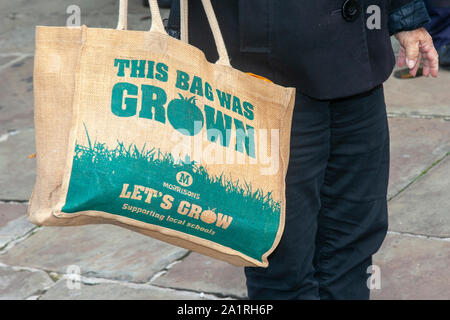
307	44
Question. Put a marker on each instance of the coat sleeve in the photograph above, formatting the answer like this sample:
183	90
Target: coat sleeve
407	15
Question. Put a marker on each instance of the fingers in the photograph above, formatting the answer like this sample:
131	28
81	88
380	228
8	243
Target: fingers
401	57
430	59
417	45
413	71
426	66
412	53
434	65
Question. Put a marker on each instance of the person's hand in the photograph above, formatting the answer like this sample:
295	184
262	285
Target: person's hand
415	46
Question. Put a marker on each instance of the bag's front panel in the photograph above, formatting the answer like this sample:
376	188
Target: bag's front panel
166	139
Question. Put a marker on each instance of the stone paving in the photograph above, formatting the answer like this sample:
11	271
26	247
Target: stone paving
39	262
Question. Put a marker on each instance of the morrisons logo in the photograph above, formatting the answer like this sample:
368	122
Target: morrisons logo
184	178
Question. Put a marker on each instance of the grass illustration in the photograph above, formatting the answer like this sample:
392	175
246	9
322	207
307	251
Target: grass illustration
98	156
99	173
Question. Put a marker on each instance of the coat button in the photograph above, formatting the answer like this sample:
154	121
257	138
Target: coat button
350	10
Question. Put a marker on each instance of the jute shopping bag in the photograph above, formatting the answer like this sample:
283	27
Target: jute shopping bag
156	139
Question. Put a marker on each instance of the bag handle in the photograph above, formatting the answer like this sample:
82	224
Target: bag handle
158	26
157	23
184	18
214	25
123	10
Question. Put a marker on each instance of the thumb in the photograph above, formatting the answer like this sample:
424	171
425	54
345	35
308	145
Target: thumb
412	53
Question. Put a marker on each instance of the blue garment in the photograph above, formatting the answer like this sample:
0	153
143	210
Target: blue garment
439	26
410	16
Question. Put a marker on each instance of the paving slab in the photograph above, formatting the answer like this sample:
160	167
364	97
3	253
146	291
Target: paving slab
20	284
419	96
102	251
13	222
52	7
10	212
17	170
415	145
114	291
413	269
15	230
16	96
203	274
19	19
423	208
5	59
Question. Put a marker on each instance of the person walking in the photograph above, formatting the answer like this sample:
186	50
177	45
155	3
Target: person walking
337	53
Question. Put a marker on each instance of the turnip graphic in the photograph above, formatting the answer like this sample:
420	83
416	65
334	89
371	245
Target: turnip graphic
209	216
185	116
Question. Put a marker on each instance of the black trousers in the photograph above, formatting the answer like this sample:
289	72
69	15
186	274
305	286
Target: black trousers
336	210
